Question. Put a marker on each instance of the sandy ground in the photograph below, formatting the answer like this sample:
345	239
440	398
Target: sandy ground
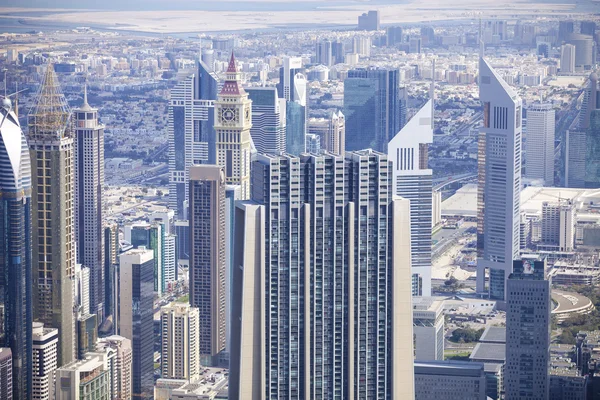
331	15
443	268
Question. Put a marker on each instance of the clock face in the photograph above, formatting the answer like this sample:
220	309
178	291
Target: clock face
227	114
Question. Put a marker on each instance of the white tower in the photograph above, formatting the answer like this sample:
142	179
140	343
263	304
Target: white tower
539	163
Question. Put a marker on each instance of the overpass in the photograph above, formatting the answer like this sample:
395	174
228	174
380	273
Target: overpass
440	184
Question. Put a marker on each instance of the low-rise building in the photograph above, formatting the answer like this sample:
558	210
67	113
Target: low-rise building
449	380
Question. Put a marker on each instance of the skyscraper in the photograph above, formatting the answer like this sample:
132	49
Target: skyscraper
319	228
51	150
45	357
89	185
268	120
207	262
293	88
6	374
134	316
151	237
539	145
567	59
180	355
87	378
324	53
501	184
120	359
394	35
190	130
527	331
15	248
332	132
412	179
369	21
111	261
233	121
372	108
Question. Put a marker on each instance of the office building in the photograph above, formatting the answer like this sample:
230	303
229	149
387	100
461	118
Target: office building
527	331
150	236
427	35
567	59
369	21
558	225
231	196
371	107
584	50
412	179
268	120
587	28
331	131
45	361
313	144
15	249
119	360
539	144
89	185
180	352
87	334
208	59
324	53
51	150
361	45
565	30
500	185
428	328
286	88
85	379
208	271
299	332
111	262
394	35
414	45
82	289
136	283
575	151
293	88
6	374
233	121
449	380
338	52
190	131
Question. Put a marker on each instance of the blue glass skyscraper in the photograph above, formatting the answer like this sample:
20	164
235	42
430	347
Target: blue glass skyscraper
372	108
15	249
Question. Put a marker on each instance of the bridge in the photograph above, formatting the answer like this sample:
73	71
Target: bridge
440	184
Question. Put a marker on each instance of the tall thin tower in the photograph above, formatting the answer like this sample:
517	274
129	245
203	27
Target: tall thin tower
499	208
233	120
15	249
51	152
89	180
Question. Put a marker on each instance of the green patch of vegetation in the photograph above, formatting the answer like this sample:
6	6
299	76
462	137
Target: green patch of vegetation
466	335
457	356
184	299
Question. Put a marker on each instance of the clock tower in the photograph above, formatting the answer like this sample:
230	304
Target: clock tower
233	120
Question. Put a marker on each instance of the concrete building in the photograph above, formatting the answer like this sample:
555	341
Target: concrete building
288	326
293	88
51	149
567	59
361	45
6	374
268	120
539	145
369	21
233	121
558	225
180	352
151	237
190	131
111	262
499	182
87	379
120	362
208	271
428	328
331	131
324	54
584	50
45	357
412	179
15	249
136	282
89	185
527	331
449	380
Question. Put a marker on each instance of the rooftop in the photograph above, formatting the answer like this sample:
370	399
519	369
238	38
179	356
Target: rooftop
493	334
490	352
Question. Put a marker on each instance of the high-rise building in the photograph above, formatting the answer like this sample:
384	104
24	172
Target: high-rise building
45	361
150	236
180	352
6	374
362	45
82	289
394	35
268	120
88	378
233	121
558	225
15	249
319	228
134	316
527	331
539	145
338	52
500	185
293	88
449	380
111	261
414	45
428	328
331	131
324	53
286	88
565	29
190	130
412	179
587	28
89	185
87	334
231	196
51	150
313	144
584	50
567	59
369	21
371	107
207	262
119	354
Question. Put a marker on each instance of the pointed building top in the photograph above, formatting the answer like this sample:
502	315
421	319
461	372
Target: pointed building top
50	115
85	106
232	68
231	86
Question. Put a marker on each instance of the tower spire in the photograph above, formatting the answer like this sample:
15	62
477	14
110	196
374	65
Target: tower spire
432	91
